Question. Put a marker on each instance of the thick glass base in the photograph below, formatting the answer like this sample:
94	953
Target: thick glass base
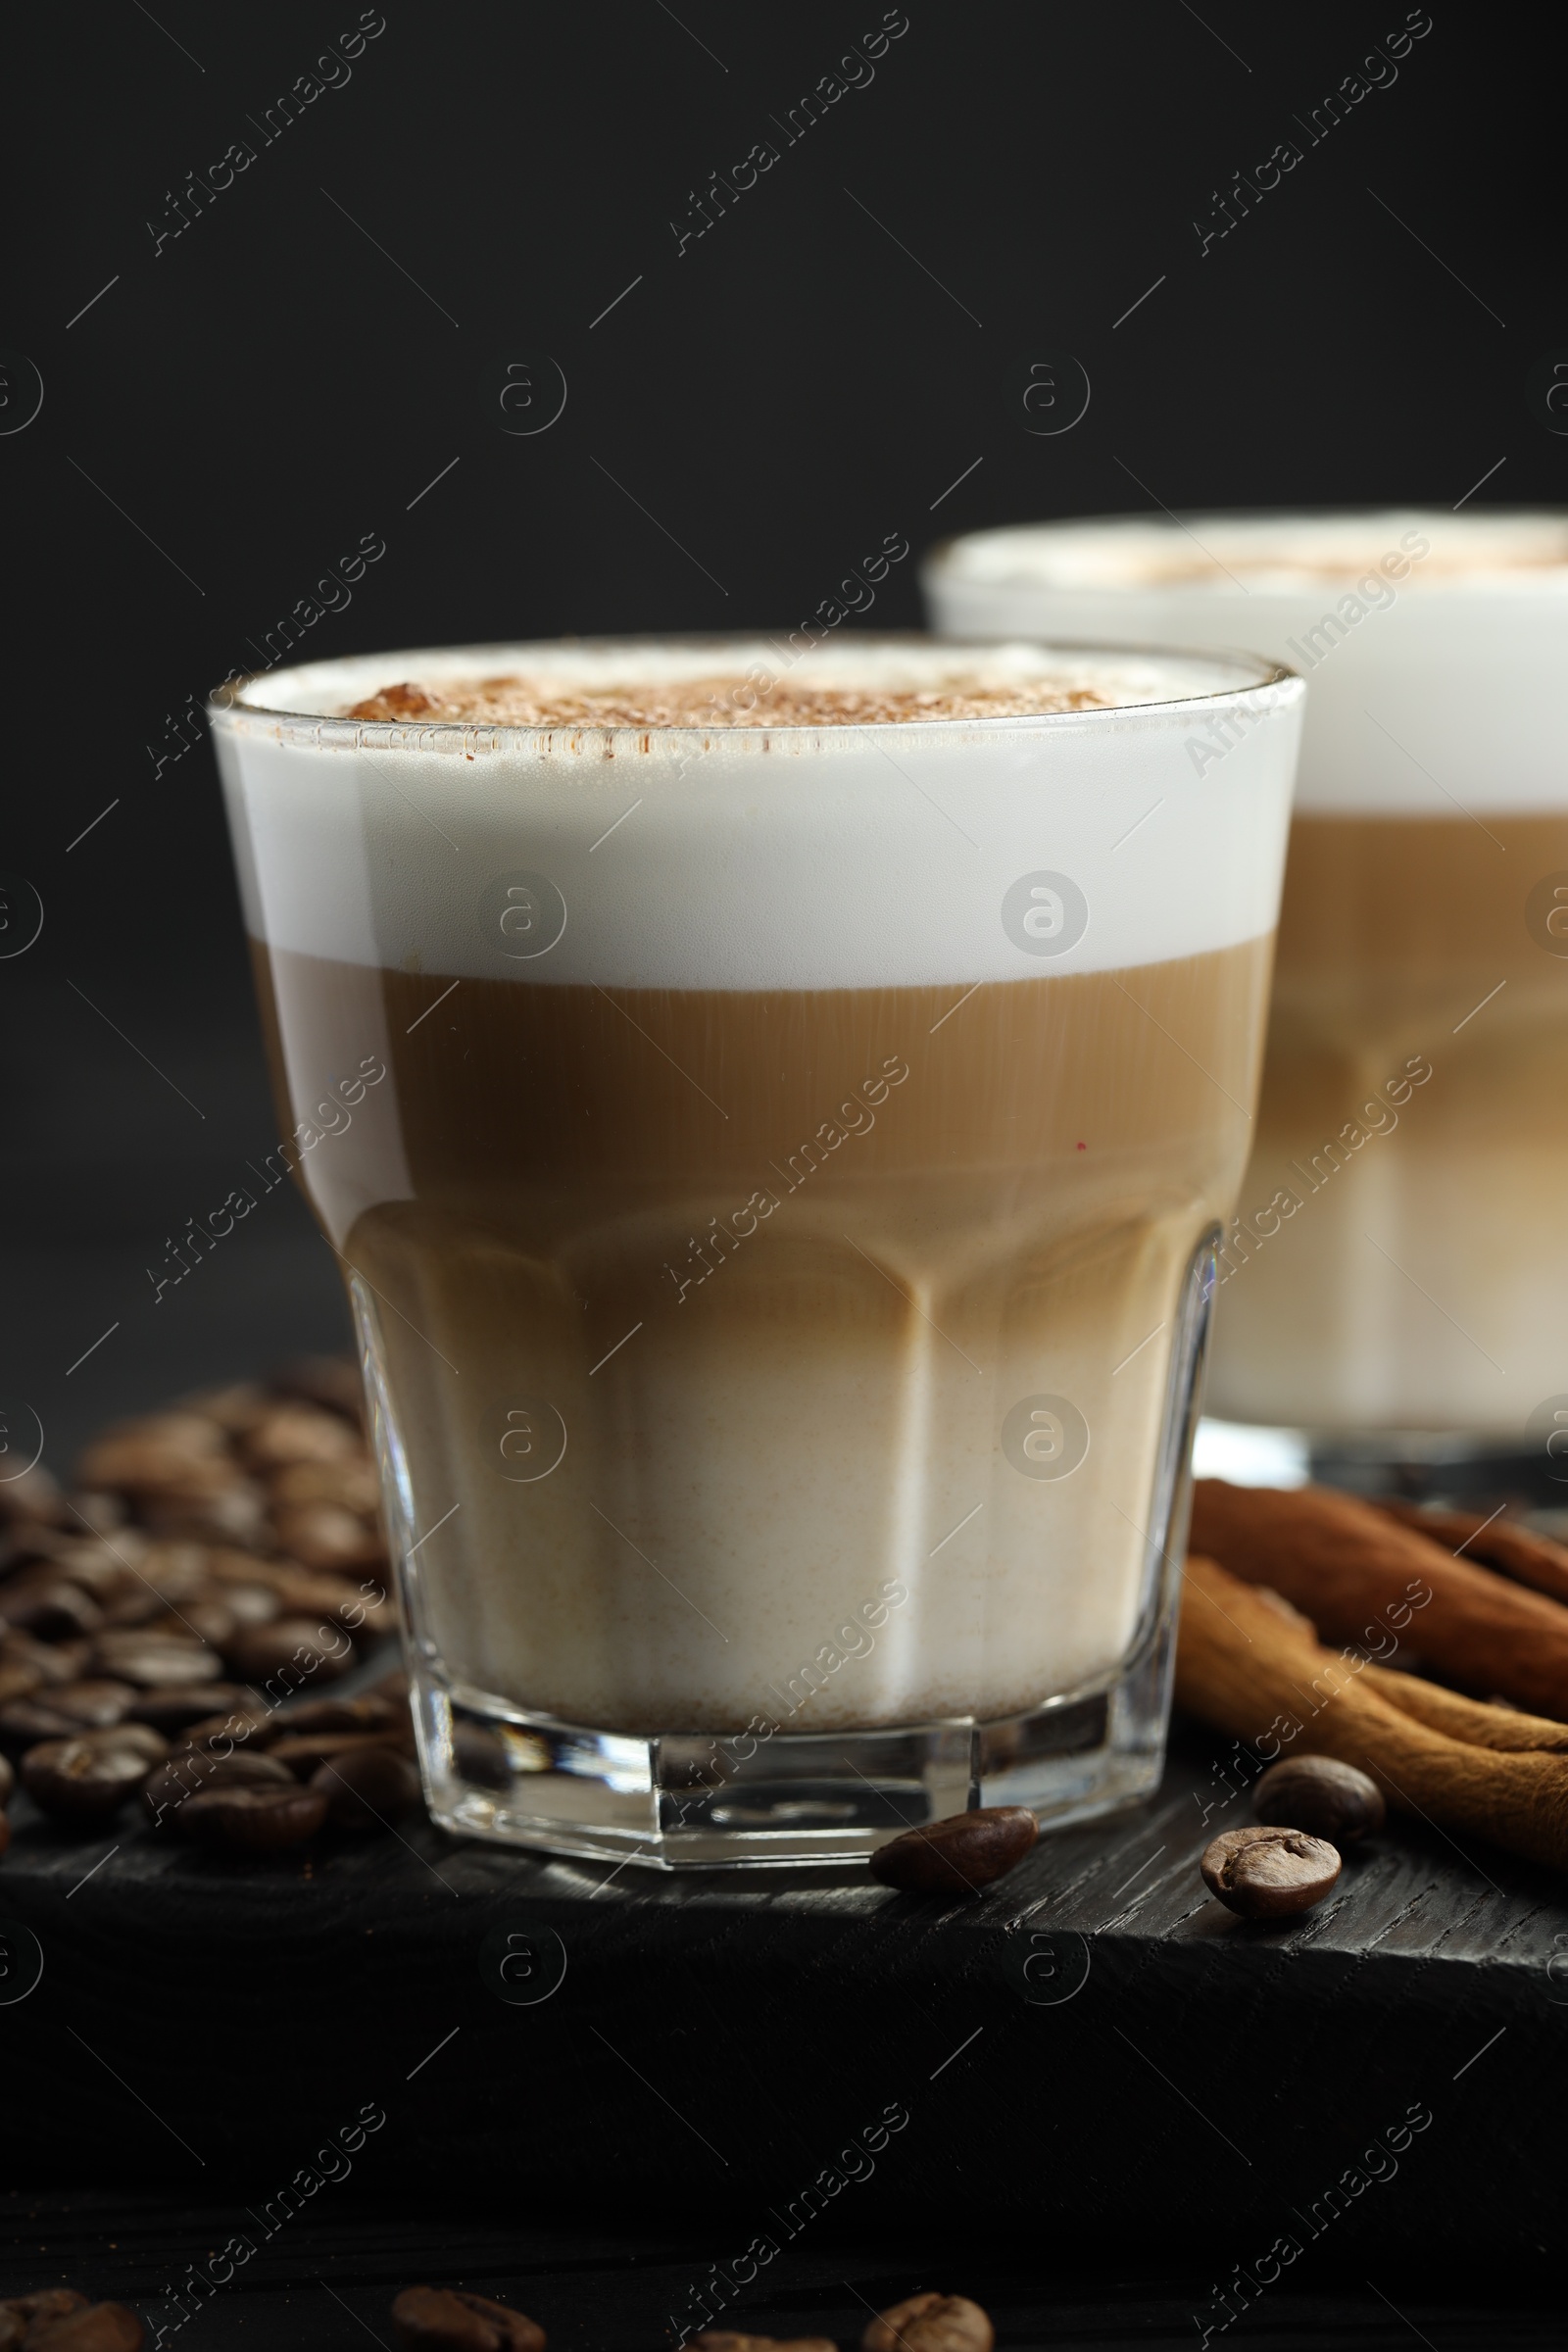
696	1799
693	1800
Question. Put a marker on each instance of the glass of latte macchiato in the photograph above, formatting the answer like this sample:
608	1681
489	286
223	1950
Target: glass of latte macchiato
1399	1263
775	1107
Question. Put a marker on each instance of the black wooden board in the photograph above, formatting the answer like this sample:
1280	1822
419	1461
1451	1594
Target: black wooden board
326	2284
738	2046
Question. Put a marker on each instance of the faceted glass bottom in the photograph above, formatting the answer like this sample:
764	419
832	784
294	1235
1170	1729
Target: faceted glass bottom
696	1800
691	1800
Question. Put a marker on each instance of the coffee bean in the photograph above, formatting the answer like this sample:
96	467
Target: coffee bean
35	1540
93	1704
104	1513
352	1483
33	1495
88	1779
160	1451
299	1432
59	1713
305	1752
134	1607
260	1651
236	1408
171	1785
141	1736
205	1617
153	1660
447	2318
23	1722
17	1682
323	1535
177	1571
930	2323
251	1725
44	1602
250	1604
331	1381
8	1782
106	1571
959	1855
329	1599
40	2310
223	1565
1321	1795
52	1661
5	1840
178	1705
380	1711
368	1790
235	1513
25	1547
199	1484
724	2339
30	1543
1269	1873
100	2327
254	1819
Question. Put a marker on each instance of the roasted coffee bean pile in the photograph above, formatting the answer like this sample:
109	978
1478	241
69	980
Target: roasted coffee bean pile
168	1626
448	2319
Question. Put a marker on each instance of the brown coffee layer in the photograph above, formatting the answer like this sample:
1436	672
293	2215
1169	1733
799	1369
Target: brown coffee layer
1422	1279
514	1094
711	1310
1389	915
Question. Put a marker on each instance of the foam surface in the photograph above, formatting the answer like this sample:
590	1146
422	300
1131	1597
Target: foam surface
1432	642
722	700
1529	551
791	857
704	684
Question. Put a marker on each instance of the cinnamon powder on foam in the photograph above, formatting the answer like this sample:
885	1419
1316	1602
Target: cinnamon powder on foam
714	702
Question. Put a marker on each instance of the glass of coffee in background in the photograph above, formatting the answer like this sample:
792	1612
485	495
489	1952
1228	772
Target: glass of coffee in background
1397	1281
775	1108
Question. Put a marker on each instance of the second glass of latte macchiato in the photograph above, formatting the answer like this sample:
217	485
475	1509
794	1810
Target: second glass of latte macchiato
775	1107
1399	1263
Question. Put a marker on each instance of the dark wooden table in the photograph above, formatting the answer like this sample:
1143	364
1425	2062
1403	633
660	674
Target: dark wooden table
1090	2092
599	2284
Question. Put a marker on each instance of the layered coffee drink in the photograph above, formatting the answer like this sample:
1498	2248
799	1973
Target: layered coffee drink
770	1110
1398	1259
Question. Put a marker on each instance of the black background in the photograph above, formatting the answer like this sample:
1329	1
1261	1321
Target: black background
758	412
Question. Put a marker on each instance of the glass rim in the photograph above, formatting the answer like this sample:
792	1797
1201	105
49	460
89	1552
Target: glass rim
226	709
937	563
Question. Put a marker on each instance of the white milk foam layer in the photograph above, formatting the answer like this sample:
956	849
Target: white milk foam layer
1433	642
799	858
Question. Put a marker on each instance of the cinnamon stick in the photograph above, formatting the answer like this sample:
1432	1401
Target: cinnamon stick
1366	1579
1479	1725
1250	1670
1516	1552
